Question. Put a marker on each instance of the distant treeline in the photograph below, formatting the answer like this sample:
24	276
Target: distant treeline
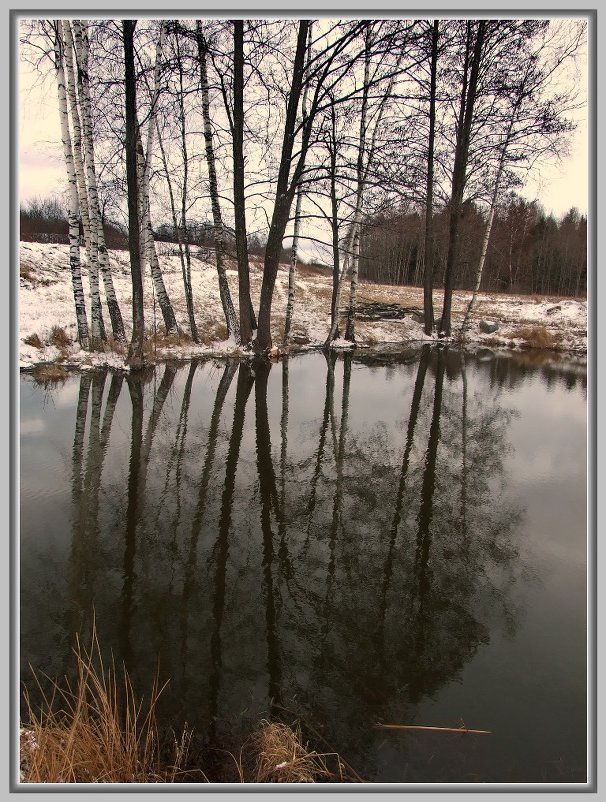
45	220
528	251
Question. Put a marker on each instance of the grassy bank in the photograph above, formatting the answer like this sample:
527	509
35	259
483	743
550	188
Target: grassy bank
96	730
47	329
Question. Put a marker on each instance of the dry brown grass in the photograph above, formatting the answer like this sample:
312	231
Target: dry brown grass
321	293
298	333
212	333
95	731
115	345
33	340
536	336
313	270
48	375
155	340
26	273
282	758
59	337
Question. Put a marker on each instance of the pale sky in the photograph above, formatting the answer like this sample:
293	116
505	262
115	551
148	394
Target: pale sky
557	187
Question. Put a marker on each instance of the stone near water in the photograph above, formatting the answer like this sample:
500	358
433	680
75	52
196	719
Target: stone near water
488	326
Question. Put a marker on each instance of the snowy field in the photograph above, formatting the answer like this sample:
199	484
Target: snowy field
46	301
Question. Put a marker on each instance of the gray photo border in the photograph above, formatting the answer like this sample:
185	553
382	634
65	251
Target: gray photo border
10	408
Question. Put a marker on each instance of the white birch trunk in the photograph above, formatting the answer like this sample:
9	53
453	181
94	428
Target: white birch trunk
186	282
353	290
72	209
144	169
493	204
292	270
82	49
365	161
77	129
97	330
360	175
343	272
148	245
485	239
231	319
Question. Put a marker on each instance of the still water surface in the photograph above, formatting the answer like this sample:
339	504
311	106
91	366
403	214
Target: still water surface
401	540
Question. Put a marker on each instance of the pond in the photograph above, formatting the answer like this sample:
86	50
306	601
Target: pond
360	540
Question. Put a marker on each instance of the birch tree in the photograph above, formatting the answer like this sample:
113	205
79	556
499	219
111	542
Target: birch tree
474	48
337	275
189	302
73	205
325	71
82	57
429	245
247	317
292	270
530	122
240	332
144	169
77	134
183	227
364	163
135	357
366	143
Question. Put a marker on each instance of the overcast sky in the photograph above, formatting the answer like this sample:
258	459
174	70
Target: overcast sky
558	187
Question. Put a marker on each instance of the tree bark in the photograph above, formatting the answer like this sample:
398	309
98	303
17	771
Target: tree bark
468	98
247	321
148	245
72	208
285	189
81	45
428	272
135	358
189	302
238	332
184	233
77	139
337	276
144	165
353	290
493	203
364	163
292	272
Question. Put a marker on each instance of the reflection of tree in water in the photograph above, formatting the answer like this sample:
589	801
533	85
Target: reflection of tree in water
511	369
357	580
219	554
410	572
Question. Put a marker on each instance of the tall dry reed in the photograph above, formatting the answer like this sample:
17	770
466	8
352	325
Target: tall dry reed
95	730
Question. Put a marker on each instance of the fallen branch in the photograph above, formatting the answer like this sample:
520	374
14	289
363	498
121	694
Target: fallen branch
434	729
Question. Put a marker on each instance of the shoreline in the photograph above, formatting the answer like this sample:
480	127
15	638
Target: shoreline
47	336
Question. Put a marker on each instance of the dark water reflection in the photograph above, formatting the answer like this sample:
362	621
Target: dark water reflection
360	540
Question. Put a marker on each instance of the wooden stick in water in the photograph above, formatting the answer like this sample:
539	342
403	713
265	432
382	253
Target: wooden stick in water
434	729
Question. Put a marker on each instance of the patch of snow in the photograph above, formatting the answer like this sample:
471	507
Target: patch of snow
46	300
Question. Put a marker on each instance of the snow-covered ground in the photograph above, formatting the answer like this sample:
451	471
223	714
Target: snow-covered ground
46	301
